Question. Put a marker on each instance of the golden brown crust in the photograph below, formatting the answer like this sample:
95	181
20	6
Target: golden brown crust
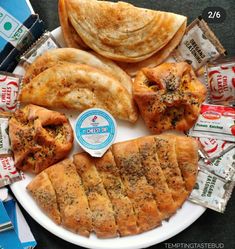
121	31
103	216
169	96
71	37
132	172
168	161
71	197
77	56
123	191
43	192
122	206
79	87
39	138
158	58
187	156
156	177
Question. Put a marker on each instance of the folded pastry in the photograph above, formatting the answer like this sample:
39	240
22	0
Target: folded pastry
39	138
76	86
131	189
71	37
158	58
121	31
72	55
169	96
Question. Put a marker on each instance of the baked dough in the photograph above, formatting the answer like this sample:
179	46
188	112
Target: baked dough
79	87
110	174
44	194
71	38
71	197
131	189
77	56
133	68
103	215
39	138
140	192
169	96
121	31
156	177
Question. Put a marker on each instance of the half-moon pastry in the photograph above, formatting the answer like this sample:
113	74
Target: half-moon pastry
39	138
169	96
71	37
156	59
79	87
72	55
121	31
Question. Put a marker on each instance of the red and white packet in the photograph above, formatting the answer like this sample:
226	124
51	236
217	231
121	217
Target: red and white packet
10	85
211	148
8	171
211	191
215	121
5	148
220	78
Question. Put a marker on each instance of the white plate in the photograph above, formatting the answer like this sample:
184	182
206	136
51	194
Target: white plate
181	220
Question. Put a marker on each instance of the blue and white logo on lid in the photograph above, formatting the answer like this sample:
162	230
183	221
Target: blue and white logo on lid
95	131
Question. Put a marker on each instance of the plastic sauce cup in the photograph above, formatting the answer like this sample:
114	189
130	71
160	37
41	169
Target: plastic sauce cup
95	131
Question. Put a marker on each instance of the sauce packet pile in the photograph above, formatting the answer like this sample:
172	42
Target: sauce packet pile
215	132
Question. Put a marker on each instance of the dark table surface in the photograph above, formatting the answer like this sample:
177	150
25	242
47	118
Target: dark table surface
211	227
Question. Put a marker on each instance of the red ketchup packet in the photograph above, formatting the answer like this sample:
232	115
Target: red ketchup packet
10	85
220	78
215	121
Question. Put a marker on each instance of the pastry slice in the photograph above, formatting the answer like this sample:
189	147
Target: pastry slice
72	39
103	216
187	157
122	206
44	194
72	200
169	96
166	151
157	58
77	56
121	31
155	176
79	87
132	172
